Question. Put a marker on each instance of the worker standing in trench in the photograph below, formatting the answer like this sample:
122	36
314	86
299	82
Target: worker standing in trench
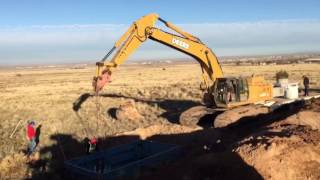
91	148
92	145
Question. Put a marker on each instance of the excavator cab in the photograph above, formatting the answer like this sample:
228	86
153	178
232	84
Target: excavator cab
230	91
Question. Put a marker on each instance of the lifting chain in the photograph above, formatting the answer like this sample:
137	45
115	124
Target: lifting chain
98	111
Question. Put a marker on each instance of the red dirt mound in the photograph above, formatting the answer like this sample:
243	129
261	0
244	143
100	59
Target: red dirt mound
283	156
128	111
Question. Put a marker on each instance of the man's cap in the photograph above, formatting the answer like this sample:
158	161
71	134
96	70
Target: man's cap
32	122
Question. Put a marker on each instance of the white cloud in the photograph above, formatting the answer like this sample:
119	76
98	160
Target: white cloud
59	35
72	43
258	33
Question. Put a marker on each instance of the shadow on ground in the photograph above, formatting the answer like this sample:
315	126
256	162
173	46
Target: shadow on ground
173	108
217	161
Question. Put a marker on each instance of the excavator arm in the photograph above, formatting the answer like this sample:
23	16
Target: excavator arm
144	29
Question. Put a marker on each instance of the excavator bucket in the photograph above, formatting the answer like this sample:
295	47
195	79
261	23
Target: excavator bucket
102	80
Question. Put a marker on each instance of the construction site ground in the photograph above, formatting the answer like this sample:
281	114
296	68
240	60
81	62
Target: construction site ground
284	144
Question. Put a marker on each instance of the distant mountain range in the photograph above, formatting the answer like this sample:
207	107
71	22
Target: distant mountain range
222	59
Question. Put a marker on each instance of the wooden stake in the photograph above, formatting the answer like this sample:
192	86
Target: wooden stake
15	129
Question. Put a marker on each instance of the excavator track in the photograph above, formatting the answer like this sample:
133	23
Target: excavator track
192	116
235	115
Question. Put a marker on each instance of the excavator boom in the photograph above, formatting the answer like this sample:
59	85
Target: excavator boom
144	29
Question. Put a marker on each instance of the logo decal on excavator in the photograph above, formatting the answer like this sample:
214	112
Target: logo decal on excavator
180	43
263	94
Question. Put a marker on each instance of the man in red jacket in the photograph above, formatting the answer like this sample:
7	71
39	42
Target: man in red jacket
31	136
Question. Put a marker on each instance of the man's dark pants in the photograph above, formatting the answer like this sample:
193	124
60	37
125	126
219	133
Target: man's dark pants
306	90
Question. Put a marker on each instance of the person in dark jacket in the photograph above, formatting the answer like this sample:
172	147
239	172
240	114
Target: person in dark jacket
306	85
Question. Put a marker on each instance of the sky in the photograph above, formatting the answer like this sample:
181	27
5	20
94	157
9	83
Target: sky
61	31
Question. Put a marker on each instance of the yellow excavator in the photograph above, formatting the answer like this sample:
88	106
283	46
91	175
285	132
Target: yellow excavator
222	94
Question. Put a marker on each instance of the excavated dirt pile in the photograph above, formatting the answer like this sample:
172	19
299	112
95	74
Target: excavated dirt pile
291	152
284	145
288	149
128	111
308	117
145	133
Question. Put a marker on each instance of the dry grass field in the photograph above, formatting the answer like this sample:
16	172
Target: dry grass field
58	99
